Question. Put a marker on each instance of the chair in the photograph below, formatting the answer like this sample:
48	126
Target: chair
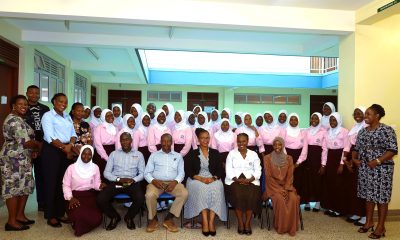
166	197
123	198
269	213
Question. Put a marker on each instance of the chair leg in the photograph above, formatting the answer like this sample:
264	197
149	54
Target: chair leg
182	212
268	219
301	219
228	221
140	217
262	218
104	221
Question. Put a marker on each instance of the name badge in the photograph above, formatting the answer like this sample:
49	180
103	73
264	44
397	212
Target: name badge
335	144
318	140
250	163
174	159
91	181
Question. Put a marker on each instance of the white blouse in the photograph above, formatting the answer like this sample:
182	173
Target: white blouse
236	165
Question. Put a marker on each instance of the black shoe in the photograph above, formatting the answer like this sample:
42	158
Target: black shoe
248	232
315	209
327	212
205	233
55	225
307	209
113	224
350	220
358	224
213	233
130	224
240	231
8	227
64	220
27	222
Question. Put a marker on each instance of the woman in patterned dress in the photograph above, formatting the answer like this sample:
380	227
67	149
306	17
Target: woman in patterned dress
82	128
15	164
375	147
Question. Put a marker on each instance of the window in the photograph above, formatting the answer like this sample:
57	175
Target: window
80	88
49	76
243	98
164	96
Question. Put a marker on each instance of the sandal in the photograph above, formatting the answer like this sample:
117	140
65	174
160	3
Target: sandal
373	235
364	230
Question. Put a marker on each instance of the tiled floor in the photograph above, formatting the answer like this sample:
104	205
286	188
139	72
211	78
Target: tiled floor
317	226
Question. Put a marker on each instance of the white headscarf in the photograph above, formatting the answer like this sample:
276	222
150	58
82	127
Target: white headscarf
110	128
293	131
228	111
282	125
182	124
139	109
93	119
125	127
358	126
118	120
163	126
314	130
197	107
212	123
333	132
245	129
206	124
85	170
187	115
240	114
269	126
171	113
222	136
143	128
325	119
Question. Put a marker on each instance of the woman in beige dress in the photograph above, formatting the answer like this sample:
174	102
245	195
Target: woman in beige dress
278	170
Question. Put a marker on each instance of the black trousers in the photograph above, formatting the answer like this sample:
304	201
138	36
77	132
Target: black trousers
105	197
55	164
39	181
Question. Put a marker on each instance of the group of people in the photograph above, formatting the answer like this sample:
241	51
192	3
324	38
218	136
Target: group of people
90	155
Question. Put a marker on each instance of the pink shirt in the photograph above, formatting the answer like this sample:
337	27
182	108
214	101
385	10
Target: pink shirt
73	182
102	137
224	146
317	139
117	139
154	137
183	136
299	142
340	141
268	135
253	140
215	127
139	140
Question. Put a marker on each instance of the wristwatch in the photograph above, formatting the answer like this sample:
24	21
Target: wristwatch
378	161
118	178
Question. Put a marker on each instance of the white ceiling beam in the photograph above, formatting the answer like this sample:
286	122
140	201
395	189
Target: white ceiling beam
94	66
206	14
136	64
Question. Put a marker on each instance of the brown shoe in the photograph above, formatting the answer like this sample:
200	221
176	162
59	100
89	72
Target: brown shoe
170	225
152	226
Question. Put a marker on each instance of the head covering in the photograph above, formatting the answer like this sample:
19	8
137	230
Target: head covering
333	132
358	126
85	170
279	159
240	114
171	113
93	119
228	111
85	107
163	126
125	127
330	105
255	119
218	118
245	129
110	128
314	130
141	127
222	136
139	109
272	125
206	124
325	119
293	131
282	125
118	120
182	124
187	115
197	107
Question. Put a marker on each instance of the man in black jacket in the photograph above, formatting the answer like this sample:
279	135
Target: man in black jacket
34	118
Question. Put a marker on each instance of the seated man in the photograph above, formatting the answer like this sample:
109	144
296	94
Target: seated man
164	173
124	170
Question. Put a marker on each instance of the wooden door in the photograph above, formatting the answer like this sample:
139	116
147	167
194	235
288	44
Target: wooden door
9	57
125	98
93	93
207	101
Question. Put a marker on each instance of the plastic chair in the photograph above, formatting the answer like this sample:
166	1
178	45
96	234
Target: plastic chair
166	197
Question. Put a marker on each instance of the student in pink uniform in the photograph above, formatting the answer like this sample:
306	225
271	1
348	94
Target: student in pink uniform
282	119
170	115
269	131
255	142
181	135
224	140
128	123
137	111
238	121
202	122
196	110
156	131
296	146
335	145
355	205
226	113
95	118
140	137
117	112
327	110
259	121
312	166
104	140
215	121
151	109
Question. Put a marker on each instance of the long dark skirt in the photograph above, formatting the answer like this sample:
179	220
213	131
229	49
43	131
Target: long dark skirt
333	183
244	197
146	153
101	162
268	149
298	175
87	216
312	188
354	205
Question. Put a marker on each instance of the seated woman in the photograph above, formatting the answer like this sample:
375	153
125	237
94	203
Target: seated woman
243	172
79	181
278	169
206	190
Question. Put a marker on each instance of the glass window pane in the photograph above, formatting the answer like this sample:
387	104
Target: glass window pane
36	80
267	99
44	87
293	99
176	96
164	96
240	98
152	96
53	87
253	98
280	99
60	86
